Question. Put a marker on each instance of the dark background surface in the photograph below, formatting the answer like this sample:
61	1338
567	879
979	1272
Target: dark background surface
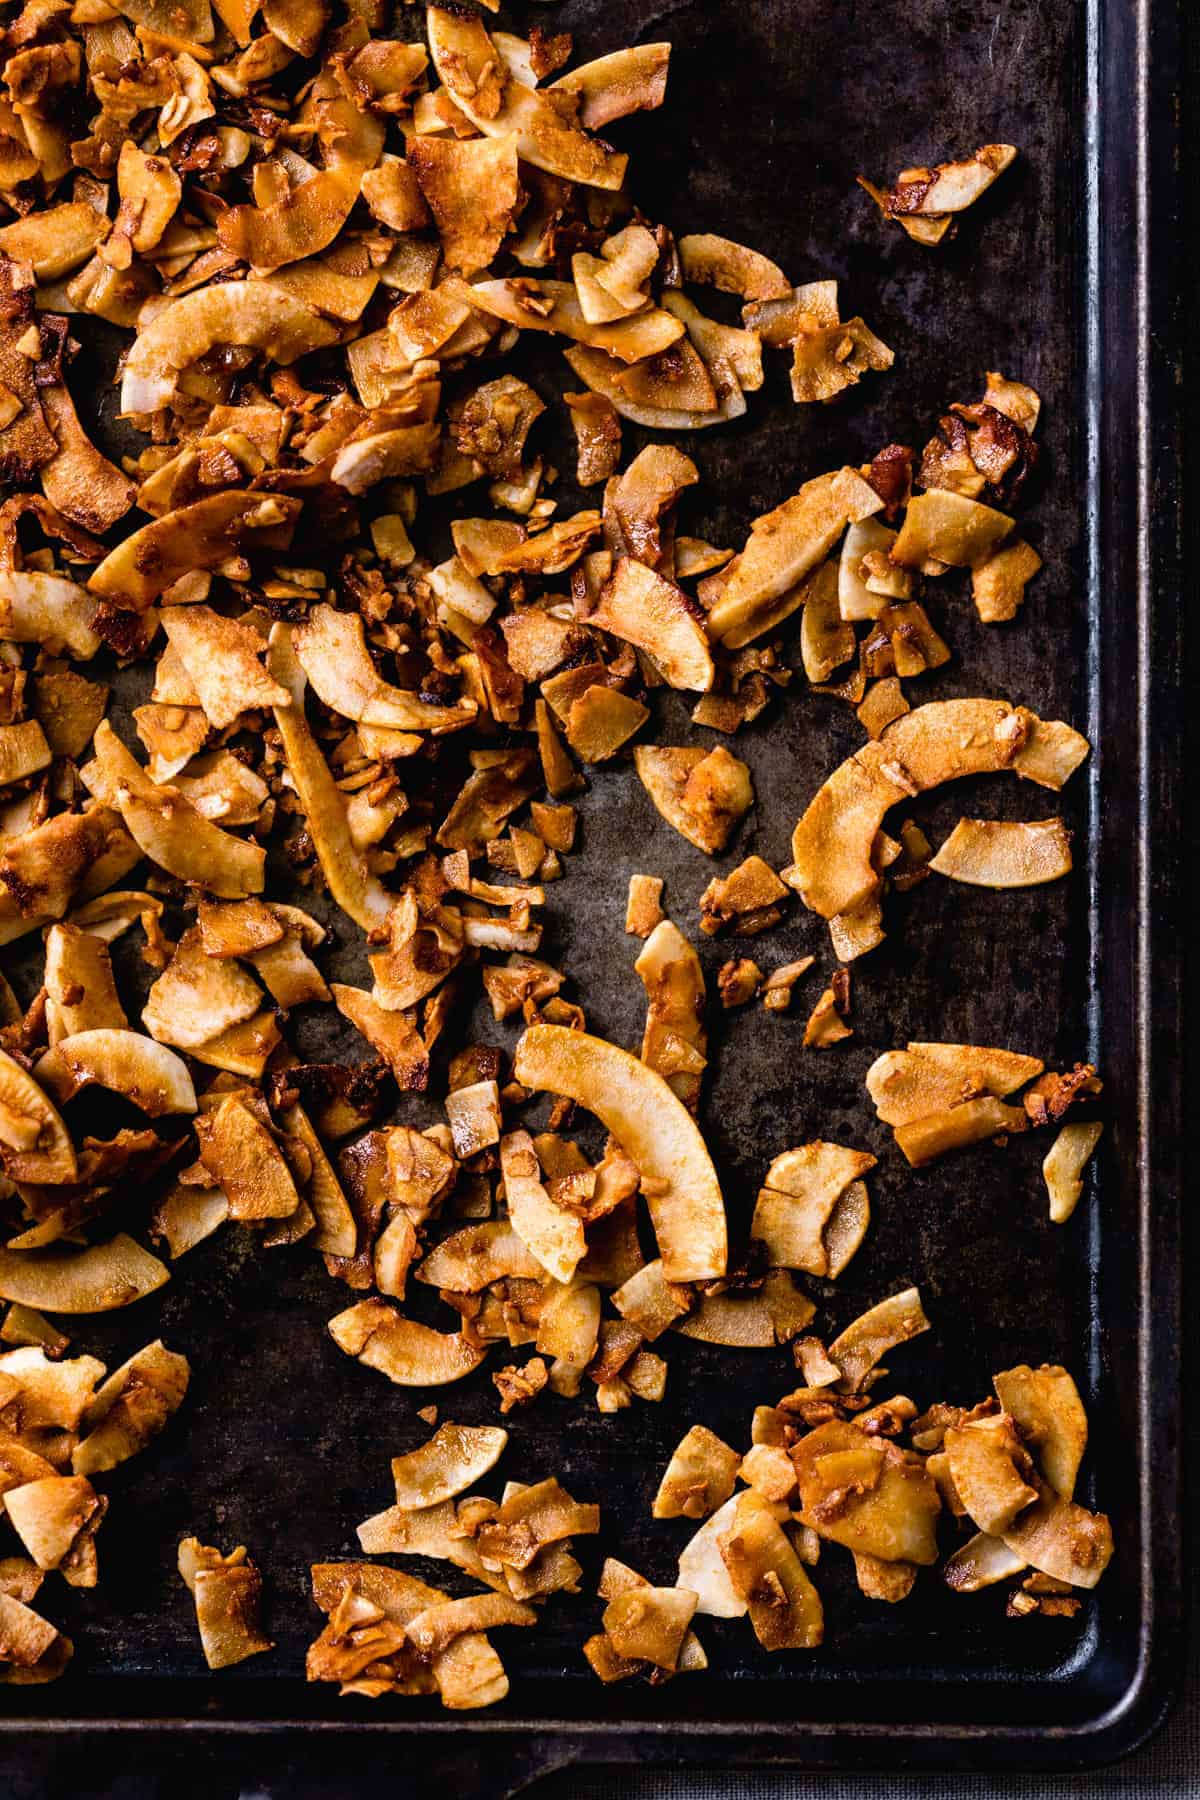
284	1444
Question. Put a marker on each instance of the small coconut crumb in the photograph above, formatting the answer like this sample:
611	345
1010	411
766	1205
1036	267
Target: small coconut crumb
644	908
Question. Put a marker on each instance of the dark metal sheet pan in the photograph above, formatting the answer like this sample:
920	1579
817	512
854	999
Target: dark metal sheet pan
1064	276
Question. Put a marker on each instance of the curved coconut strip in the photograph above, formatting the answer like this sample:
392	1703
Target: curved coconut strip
1002	853
47	610
869	1337
447	1464
674	1042
655	1130
611	87
603	375
331	648
981	1562
1062	1539
202	536
783	546
551	1235
409	1354
95	1280
34	1142
55	241
148	1074
943	741
472	1258
229	312
554	306
468	62
80	481
356	890
1045	1404
924	1079
167	828
638	605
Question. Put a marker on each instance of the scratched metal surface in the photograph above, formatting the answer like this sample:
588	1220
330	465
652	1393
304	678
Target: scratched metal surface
284	1443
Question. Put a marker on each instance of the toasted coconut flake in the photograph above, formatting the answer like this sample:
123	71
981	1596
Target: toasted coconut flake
185	1216
532	1517
554	306
568	1331
961	1126
36	608
1061	1539
81	994
331	649
148	1074
245	1161
198	996
998	584
201	536
880	1329
554	1237
948	187
754	1321
912	1084
699	1477
393	1034
409	1354
168	829
497	104
32	1650
98	1279
941	526
470	187
35	1145
703	795
644	609
613	86
227	1591
131	1407
828	359
718	262
980	1563
867	1494
56	241
797	1202
672	391
675	1041
702	1568
447	1464
652	1127
650	1302
1063	1168
783	547
988	1467
222	660
998	853
648	1624
784	1606
352	885
1045	1404
51	1517
83	484
435	1627
47	1394
471	1259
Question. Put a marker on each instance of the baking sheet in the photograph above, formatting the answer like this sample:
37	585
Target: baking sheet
284	1444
